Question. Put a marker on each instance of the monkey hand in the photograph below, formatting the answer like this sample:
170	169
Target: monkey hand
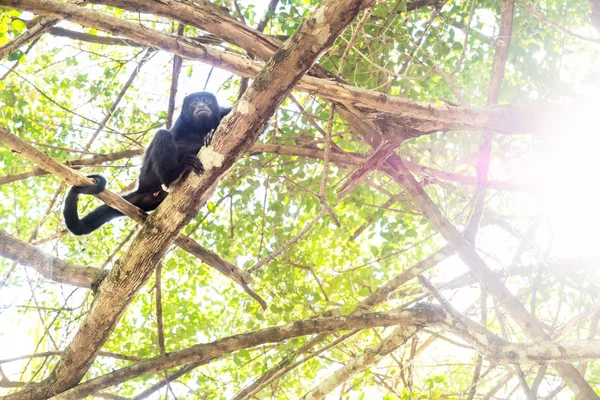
191	163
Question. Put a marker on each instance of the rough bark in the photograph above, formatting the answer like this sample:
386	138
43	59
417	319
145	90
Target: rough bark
235	135
567	351
370	356
208	17
49	267
87	37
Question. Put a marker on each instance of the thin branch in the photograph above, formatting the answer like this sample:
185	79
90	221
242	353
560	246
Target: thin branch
485	149
177	62
553	24
118	99
265	19
159	310
45	354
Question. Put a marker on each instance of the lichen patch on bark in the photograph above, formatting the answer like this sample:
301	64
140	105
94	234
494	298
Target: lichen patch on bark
210	158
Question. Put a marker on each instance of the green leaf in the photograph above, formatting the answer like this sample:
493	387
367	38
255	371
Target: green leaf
18	25
15	55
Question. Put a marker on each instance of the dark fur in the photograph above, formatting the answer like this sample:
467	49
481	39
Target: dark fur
169	156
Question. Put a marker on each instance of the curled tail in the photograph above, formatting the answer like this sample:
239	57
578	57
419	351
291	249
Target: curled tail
93	220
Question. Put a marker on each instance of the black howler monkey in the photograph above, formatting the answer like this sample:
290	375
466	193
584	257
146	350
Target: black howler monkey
169	156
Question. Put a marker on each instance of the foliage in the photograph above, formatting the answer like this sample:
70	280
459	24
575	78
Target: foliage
60	89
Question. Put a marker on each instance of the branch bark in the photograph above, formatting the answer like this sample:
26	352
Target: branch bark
75	164
49	267
370	356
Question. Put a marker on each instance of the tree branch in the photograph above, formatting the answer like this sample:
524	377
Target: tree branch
75	164
370	356
202	352
49	267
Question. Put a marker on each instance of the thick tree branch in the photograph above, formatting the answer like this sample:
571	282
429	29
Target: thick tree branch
370	356
208	17
49	267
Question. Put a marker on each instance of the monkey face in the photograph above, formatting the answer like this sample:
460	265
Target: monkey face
202	110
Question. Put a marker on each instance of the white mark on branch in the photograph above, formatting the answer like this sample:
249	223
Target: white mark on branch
555	352
323	32
244	107
210	158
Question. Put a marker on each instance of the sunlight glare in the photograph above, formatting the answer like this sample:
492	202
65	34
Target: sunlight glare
570	192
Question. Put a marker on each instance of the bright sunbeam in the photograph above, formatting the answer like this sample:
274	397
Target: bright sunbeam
568	171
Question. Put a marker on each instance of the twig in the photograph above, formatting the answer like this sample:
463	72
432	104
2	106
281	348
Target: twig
177	62
553	24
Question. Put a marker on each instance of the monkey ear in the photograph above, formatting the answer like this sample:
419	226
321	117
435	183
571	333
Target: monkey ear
224	111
